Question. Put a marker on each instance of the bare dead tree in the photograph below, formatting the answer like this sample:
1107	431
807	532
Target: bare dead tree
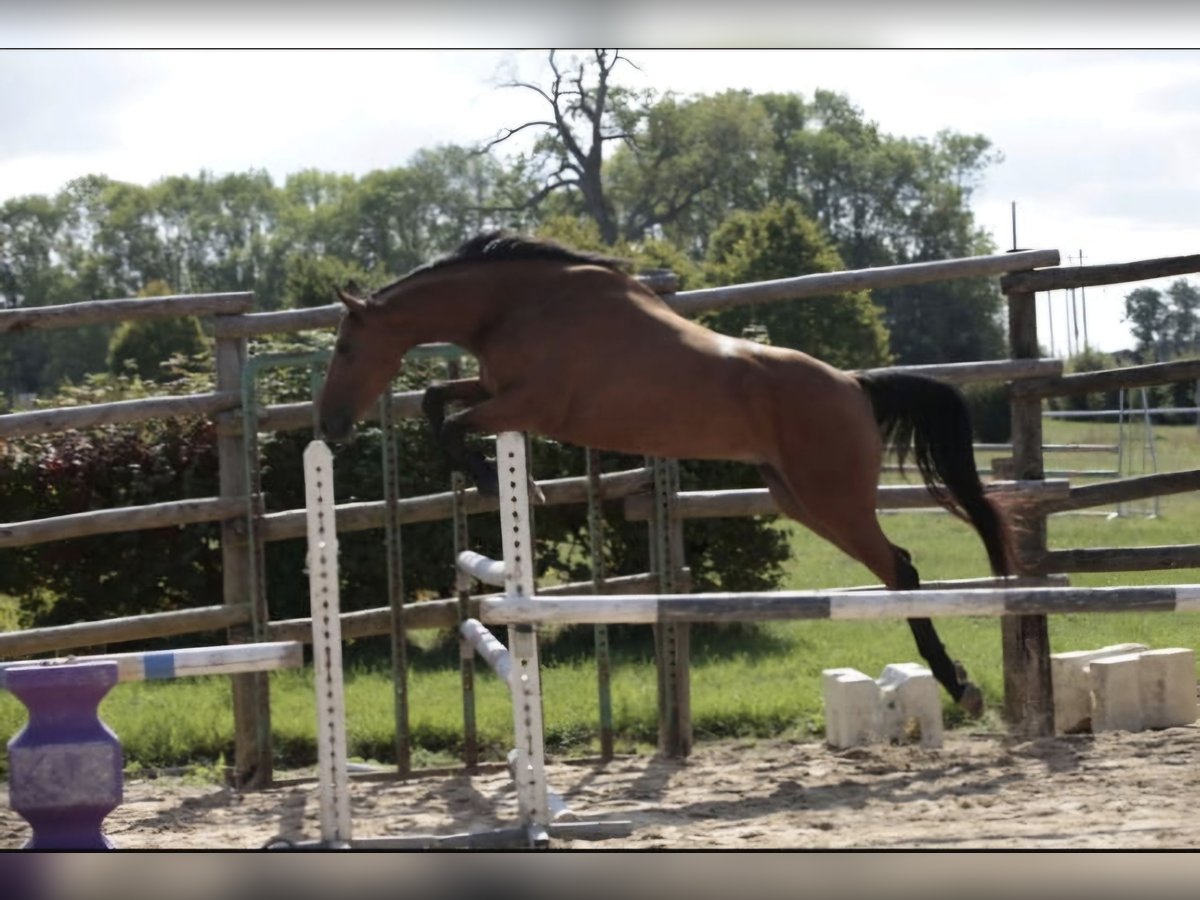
580	123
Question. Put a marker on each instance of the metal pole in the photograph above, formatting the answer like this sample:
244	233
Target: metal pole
595	500
394	554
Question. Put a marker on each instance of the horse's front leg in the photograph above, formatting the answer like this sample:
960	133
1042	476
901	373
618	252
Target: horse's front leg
514	410
451	439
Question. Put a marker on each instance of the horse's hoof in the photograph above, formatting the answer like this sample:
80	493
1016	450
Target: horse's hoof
971	699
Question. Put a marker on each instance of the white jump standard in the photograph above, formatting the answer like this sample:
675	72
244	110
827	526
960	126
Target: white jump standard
538	808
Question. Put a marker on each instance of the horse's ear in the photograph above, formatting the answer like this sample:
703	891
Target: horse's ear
354	305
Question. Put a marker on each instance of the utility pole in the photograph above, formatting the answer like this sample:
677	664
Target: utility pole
1083	303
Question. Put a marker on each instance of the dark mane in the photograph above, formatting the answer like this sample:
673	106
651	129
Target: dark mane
496	246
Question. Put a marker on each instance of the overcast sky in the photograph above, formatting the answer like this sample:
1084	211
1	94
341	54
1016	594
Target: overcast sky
1101	147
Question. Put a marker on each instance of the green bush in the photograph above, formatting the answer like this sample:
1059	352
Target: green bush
113	574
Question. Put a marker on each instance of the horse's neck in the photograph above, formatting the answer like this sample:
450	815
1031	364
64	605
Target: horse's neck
437	308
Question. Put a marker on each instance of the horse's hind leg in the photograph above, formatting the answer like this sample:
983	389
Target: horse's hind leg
949	673
857	534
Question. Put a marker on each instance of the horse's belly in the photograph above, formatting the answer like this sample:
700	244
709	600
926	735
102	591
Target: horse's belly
675	430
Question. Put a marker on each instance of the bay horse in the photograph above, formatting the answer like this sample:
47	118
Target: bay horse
573	348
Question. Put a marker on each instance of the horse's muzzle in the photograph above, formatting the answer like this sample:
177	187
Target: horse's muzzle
336	427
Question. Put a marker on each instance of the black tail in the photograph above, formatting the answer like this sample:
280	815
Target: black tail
931	418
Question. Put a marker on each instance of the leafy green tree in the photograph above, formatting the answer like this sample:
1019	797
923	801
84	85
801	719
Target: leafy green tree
886	201
35	252
313	280
695	160
845	330
1148	316
1184	317
142	347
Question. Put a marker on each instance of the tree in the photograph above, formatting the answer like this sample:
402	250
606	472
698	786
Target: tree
845	330
1148	315
584	114
1183	320
144	347
693	162
885	201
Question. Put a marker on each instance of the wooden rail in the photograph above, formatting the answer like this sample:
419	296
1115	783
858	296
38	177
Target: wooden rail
1094	276
708	299
758	501
435	507
988	370
1125	490
120	412
826	283
111	312
55	638
127	518
1120	559
1109	379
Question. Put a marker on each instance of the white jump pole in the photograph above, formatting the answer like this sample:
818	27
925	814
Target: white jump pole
159	665
649	609
327	645
529	768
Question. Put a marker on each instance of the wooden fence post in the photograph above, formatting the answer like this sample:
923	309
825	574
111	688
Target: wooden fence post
252	767
1028	700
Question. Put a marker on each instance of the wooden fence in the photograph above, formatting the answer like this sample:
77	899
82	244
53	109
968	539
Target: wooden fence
243	612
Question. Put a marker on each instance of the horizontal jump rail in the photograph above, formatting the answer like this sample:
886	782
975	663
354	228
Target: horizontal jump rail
55	638
482	568
444	613
758	501
157	665
489	647
1093	276
826	283
650	609
110	312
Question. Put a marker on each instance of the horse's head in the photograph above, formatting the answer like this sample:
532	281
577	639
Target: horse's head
365	359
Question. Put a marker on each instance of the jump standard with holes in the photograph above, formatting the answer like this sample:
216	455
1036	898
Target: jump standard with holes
65	745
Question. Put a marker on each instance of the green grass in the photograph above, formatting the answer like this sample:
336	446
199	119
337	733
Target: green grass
746	682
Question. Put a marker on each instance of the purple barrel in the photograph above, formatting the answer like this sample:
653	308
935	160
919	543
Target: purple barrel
65	765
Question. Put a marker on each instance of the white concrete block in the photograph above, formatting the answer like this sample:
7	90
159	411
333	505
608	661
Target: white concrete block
1168	687
1070	678
861	710
1117	693
851	707
909	693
